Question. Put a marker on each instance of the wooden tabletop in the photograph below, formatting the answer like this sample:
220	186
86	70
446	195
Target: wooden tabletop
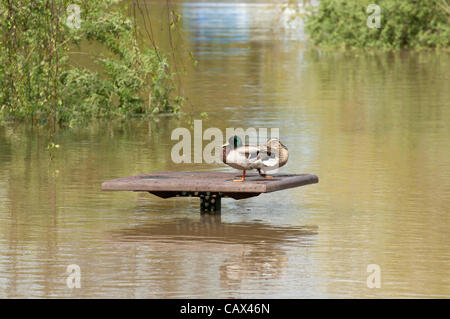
208	182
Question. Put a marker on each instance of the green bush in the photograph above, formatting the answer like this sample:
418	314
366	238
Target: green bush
404	24
40	82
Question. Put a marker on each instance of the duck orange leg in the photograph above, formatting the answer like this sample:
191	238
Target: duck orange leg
242	179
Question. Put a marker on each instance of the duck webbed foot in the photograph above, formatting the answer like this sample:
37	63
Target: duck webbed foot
264	174
242	179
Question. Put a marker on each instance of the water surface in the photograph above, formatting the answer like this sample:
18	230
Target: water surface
374	126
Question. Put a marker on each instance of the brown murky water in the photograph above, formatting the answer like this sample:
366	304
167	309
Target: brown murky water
373	126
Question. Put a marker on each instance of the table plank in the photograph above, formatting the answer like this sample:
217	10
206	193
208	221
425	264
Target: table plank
207	182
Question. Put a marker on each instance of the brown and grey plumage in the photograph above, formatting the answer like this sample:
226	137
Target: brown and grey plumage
262	158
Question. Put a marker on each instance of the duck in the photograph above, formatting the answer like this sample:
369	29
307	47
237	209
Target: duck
260	157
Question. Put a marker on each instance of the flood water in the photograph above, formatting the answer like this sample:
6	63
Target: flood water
374	126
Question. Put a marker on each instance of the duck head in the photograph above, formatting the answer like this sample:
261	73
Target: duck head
233	143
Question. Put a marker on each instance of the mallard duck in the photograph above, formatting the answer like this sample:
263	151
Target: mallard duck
247	157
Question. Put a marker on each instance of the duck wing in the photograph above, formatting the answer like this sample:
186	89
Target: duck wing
258	156
251	153
267	158
261	157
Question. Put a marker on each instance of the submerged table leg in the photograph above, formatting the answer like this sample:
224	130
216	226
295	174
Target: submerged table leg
210	202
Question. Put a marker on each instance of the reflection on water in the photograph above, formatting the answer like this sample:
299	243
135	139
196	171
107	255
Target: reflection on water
210	229
372	125
244	251
213	22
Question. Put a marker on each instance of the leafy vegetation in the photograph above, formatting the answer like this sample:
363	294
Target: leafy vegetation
403	24
42	84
